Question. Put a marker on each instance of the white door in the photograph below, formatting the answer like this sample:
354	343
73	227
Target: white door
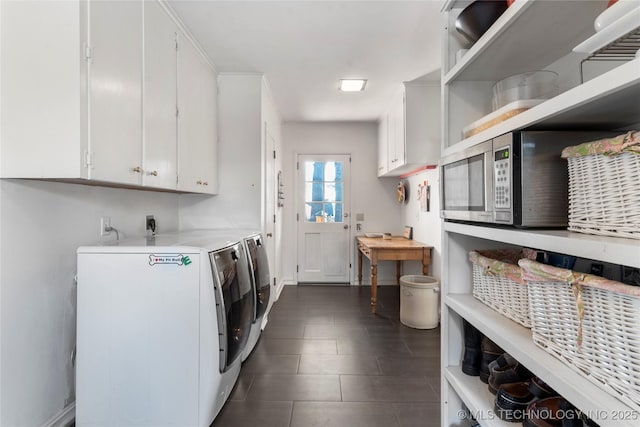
323	218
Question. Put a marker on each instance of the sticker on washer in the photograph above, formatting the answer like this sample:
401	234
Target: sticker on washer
169	259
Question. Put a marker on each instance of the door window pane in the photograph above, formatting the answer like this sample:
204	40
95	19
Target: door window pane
323	189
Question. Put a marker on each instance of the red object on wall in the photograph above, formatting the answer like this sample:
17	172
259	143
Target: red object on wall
611	2
510	2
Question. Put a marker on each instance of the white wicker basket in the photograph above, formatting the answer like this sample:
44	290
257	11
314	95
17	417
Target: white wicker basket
604	343
603	190
500	291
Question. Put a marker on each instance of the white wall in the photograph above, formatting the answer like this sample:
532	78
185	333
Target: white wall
373	197
427	226
41	225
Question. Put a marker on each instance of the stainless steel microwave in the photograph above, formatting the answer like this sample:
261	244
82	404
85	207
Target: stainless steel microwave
517	179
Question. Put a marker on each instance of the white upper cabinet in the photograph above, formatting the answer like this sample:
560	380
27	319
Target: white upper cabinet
412	128
160	98
90	95
197	91
115	92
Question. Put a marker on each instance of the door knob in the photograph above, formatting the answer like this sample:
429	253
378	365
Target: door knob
269	234
345	226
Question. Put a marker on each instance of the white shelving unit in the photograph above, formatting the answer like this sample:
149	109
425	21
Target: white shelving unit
530	35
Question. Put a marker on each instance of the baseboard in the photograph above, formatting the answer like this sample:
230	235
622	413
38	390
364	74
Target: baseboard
63	418
279	289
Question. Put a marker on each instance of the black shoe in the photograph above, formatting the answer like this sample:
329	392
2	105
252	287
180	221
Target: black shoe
540	389
472	352
490	352
504	370
512	401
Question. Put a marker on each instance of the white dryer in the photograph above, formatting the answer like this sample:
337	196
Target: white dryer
261	283
258	265
162	325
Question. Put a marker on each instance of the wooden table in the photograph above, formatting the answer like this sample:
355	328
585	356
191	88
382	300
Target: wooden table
395	249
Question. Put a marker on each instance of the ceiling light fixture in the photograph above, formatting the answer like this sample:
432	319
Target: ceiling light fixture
352	85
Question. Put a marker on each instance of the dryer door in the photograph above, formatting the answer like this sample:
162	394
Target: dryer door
234	301
260	273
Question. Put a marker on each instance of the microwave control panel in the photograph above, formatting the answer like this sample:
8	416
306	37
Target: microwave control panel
502	178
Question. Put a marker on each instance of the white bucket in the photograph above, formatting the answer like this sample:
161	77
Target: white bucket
419	301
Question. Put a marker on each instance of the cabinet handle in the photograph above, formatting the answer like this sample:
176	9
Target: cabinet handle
199	182
154	173
137	169
205	183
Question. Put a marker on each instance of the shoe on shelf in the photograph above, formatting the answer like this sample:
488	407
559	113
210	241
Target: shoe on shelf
472	352
512	401
552	412
504	370
540	389
490	352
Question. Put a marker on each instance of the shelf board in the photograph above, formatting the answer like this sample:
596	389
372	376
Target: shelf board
607	101
476	396
516	340
506	48
615	250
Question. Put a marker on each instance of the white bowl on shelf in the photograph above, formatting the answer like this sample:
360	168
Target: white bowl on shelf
615	12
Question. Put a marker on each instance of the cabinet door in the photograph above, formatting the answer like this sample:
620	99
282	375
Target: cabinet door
399	139
383	143
160	103
115	91
396	147
197	169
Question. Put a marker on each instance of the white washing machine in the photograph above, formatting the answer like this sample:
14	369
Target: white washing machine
162	325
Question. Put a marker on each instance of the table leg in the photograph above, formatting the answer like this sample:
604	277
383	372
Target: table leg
374	287
398	271
359	267
426	261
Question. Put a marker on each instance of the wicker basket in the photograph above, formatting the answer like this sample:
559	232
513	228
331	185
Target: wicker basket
590	323
497	282
603	186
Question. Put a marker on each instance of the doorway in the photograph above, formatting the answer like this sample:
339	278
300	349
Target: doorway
322	207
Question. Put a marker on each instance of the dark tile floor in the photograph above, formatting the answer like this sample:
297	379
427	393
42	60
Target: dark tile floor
325	360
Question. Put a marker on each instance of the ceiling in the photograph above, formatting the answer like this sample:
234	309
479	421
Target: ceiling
304	47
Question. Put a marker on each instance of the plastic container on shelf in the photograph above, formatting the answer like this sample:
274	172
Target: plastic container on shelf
541	84
419	301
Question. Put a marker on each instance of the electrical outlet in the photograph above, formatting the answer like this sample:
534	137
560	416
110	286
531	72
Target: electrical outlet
150	224
105	226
